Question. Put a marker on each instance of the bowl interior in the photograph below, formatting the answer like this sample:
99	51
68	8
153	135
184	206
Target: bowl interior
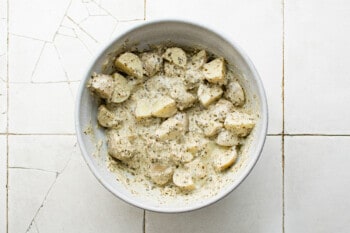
184	35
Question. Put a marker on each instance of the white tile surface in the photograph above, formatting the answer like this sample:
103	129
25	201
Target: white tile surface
23	57
255	25
3	181
124	10
74	56
27	191
77	11
41	108
49	67
51	42
86	207
256	206
45	152
317	54
317	184
3	106
42	18
103	32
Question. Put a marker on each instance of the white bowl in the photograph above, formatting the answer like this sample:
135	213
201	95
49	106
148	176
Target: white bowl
187	35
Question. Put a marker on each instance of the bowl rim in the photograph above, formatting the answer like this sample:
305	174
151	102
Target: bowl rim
261	136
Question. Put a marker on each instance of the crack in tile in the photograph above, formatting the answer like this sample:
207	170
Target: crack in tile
50	188
62	66
29	37
32	168
84	44
64	15
87	9
105	10
36	227
37	62
77	24
114	29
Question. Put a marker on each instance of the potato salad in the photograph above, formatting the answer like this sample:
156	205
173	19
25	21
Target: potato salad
175	117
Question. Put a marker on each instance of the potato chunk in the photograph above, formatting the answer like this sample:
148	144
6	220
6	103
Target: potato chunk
172	70
106	118
227	138
207	94
121	89
143	109
164	107
160	174
223	157
183	179
183	157
130	64
183	98
176	55
193	78
102	85
220	110
197	168
173	127
215	71
195	142
120	147
199	59
234	92
212	128
152	63
239	123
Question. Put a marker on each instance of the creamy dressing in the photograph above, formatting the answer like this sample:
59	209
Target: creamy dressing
163	134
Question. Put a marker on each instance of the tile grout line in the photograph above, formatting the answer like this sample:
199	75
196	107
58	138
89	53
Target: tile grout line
38	134
144	222
7	115
283	117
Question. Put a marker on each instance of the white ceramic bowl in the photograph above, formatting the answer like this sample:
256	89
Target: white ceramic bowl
187	35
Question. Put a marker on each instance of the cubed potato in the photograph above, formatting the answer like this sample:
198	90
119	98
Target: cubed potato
176	55
121	89
119	146
197	168
239	123
183	179
193	78
223	157
199	59
220	110
173	127
195	143
106	118
143	109
209	126
164	107
172	70
102	85
215	71
183	157
183	98
130	64
207	94
212	128
227	138
235	93
160	174
152	63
